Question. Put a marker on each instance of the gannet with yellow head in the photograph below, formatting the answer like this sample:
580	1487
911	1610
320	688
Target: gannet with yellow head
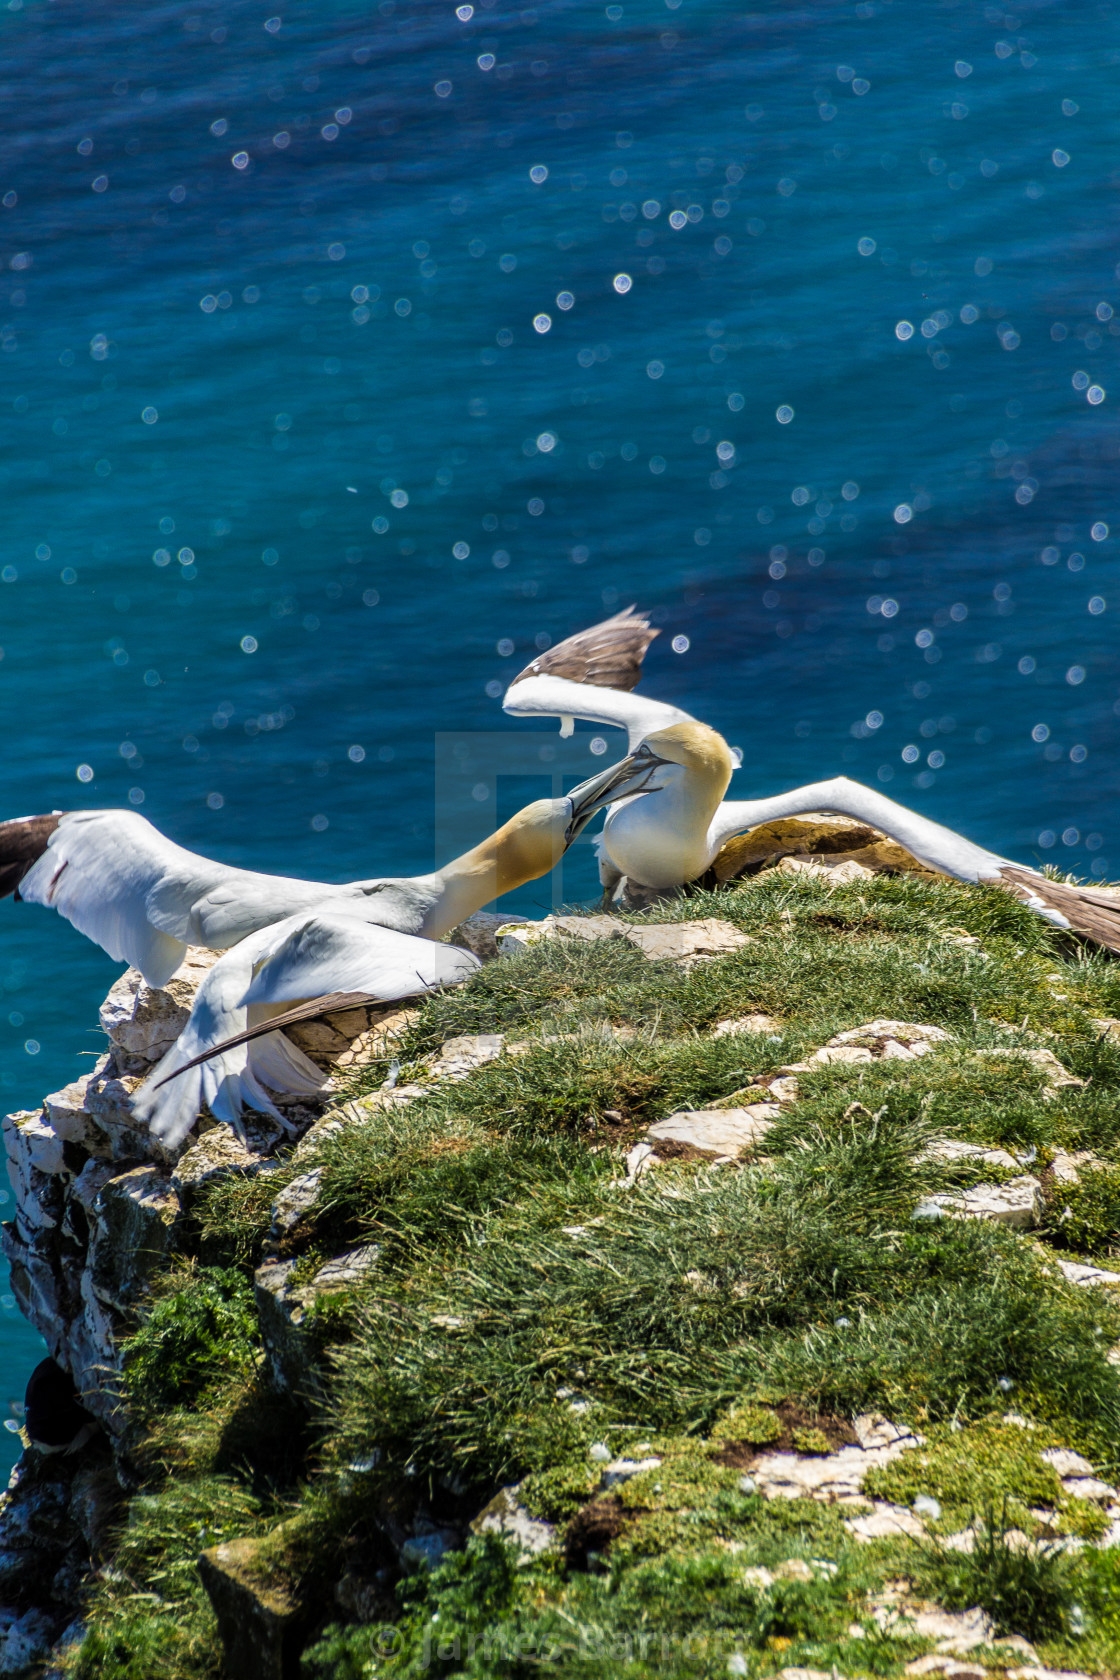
292	948
670	820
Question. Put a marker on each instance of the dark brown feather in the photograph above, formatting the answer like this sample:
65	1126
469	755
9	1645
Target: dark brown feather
23	841
1093	915
608	655
328	1005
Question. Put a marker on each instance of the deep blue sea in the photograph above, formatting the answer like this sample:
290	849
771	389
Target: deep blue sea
350	353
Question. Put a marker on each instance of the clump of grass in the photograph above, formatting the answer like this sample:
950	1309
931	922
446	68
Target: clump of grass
967	1470
193	1335
1026	1589
1085	1216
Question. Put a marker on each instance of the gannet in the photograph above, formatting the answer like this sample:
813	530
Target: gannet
288	942
667	825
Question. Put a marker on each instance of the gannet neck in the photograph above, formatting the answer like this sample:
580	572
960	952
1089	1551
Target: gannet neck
547	696
524	848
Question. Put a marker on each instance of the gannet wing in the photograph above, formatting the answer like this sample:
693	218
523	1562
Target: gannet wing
226	1059
941	848
549	696
608	655
137	894
1082	910
332	951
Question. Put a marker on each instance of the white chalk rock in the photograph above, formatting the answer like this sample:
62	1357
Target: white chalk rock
505	1515
1085	1276
716	1131
744	1024
1019	1203
145	1021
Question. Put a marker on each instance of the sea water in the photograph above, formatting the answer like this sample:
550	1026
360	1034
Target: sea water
349	354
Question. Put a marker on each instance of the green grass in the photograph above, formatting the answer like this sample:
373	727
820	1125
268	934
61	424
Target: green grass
529	1304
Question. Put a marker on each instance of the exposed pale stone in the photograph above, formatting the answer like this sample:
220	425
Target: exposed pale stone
378	1037
1086	1275
479	932
144	1021
621	1469
294	1202
1018	1203
216	1154
1089	1487
872	1430
716	1131
683	942
347	1270
836	1478
783	1090
135	1215
108	1099
817	837
744	1024
917	1036
825	868
505	1515
67	1114
1067	1463
1067	1168
829	1053
955	1149
885	1522
688	942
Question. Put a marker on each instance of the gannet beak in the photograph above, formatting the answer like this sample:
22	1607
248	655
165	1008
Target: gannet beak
619	781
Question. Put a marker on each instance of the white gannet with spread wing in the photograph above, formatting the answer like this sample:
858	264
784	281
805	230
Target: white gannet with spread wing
677	820
292	943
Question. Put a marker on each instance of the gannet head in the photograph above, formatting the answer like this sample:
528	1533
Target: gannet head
688	758
538	835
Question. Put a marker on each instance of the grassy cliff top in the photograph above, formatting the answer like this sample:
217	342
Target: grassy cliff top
530	1313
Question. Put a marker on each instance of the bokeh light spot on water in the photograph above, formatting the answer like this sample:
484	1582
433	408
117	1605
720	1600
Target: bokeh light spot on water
866	247
538	174
656	369
622	283
597	745
84	772
904	330
784	414
542	323
1097	605
1075	675
903	513
681	644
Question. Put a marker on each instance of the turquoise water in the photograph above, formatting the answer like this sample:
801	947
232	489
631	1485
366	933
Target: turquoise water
292	482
